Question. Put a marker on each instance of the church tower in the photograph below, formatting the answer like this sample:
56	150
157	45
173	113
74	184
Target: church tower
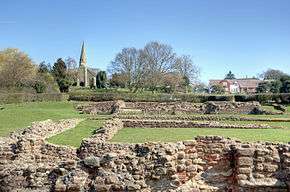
83	70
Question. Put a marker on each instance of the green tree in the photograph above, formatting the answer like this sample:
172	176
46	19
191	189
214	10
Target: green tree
217	89
272	74
61	76
230	75
275	86
264	87
44	68
285	80
59	69
101	79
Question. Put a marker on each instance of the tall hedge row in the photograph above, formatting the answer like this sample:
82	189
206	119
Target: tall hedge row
161	97
30	97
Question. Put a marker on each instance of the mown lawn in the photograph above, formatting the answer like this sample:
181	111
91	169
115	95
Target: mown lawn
73	137
140	135
15	116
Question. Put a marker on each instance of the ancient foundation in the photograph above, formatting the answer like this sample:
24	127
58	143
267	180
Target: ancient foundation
210	163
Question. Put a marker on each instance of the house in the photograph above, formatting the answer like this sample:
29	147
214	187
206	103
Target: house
244	85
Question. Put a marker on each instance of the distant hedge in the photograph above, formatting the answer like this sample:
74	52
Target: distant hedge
159	97
30	97
265	97
162	97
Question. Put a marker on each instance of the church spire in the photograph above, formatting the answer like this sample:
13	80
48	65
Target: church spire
83	57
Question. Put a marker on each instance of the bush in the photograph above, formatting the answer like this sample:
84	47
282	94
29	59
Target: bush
39	87
29	97
245	98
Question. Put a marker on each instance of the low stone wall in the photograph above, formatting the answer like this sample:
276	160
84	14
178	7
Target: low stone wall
26	159
147	123
45	129
202	118
109	129
170	107
208	163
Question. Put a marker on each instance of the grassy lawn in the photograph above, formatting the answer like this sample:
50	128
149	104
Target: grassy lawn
15	116
140	135
73	137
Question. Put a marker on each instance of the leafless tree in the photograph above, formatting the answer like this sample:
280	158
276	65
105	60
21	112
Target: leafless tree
158	60
128	63
151	66
185	66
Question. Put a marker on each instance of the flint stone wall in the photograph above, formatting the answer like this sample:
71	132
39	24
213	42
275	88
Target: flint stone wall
147	123
169	107
26	159
200	118
209	163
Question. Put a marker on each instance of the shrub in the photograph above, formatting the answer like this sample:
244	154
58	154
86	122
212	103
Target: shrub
39	87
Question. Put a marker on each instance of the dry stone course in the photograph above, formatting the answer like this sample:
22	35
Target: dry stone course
206	163
169	107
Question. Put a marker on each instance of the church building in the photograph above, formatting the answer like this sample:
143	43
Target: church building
86	75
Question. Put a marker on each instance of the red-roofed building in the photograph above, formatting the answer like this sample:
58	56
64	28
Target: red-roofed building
247	85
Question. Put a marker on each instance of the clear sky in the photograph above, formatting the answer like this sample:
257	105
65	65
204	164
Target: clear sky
245	36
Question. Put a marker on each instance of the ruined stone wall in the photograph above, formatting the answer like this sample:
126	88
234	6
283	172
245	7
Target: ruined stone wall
147	123
170	107
26	159
208	163
200	117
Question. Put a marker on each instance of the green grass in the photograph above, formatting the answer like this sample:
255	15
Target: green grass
15	116
140	135
73	137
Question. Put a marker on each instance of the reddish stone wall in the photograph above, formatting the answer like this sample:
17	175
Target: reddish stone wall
209	163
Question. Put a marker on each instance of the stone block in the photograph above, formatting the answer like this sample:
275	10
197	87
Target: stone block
246	152
246	170
245	161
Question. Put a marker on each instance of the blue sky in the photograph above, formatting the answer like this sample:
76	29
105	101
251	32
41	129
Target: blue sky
245	36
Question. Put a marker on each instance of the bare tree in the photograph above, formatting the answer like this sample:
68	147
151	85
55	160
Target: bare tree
70	63
185	66
151	66
72	71
158	60
128	63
